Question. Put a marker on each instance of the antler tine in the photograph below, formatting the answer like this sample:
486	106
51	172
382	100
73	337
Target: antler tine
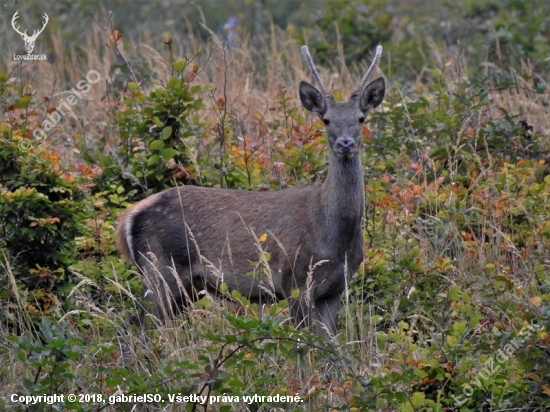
373	65
46	20
309	60
14	22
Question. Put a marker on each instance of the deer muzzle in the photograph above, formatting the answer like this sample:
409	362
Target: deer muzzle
346	147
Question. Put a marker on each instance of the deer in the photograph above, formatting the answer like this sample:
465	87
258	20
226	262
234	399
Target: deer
29	40
188	240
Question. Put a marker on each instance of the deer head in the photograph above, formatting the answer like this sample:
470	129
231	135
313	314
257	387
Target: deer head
29	40
343	120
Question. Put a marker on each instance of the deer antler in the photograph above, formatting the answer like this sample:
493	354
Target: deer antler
373	65
35	32
309	60
13	19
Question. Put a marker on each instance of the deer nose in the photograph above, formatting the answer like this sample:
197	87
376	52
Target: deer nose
345	145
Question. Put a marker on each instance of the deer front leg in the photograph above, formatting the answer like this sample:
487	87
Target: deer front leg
327	315
300	311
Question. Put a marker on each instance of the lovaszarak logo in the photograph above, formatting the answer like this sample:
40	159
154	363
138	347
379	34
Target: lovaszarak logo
29	40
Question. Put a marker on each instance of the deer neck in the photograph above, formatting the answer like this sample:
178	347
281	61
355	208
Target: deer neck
343	193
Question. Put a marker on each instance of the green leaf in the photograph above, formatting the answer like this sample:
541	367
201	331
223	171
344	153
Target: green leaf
168	153
153	160
179	65
454	293
166	132
172	83
417	399
459	327
235	294
157	144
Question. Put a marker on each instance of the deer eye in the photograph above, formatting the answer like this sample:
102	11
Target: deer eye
326	122
361	120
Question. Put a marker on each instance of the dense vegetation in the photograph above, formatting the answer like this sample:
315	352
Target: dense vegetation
450	310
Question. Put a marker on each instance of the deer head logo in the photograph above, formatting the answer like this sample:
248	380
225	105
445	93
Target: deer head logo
29	40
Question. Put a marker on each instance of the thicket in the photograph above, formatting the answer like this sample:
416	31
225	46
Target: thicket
451	309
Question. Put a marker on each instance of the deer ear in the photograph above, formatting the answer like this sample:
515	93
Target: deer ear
373	95
312	99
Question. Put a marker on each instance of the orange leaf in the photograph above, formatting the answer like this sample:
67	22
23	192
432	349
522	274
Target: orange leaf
366	132
113	40
117	36
413	362
338	390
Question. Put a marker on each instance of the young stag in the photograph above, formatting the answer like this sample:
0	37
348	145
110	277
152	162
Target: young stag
189	239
